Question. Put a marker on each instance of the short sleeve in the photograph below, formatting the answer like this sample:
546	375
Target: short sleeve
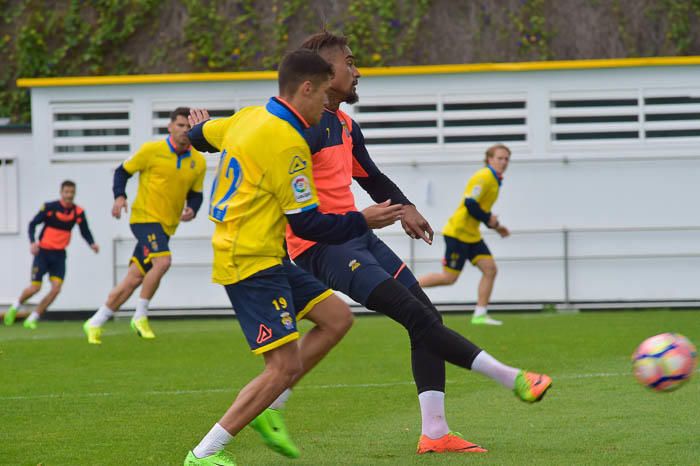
138	161
215	130
478	186
292	181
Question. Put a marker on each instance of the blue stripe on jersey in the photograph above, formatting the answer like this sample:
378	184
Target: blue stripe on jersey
184	155
281	111
303	209
495	175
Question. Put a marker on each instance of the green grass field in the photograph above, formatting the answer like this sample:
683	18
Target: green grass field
134	402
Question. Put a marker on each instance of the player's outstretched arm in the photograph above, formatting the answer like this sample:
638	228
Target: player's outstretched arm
36	221
86	233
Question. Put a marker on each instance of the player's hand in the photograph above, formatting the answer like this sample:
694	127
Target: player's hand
503	231
34	248
187	214
383	215
119	205
197	115
493	221
95	247
415	225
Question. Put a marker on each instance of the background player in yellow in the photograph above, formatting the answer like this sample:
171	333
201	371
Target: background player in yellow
264	180
463	239
171	177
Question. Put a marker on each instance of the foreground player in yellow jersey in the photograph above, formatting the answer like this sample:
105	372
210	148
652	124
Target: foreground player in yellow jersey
263	182
462	236
171	178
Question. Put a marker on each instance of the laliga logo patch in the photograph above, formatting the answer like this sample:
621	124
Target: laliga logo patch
287	321
192	164
301	188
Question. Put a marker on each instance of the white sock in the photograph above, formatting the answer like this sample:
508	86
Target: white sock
432	412
141	308
102	315
479	311
282	399
16	304
213	442
486	364
33	317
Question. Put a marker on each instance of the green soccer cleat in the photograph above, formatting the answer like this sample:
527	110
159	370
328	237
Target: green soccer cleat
93	333
531	387
222	458
30	324
142	328
10	315
485	320
270	425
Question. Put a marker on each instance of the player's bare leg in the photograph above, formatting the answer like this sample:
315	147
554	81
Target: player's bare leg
125	288
488	269
152	279
139	323
333	319
31	320
282	366
117	296
27	293
438	279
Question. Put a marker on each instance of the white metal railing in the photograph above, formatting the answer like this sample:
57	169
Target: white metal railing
566	250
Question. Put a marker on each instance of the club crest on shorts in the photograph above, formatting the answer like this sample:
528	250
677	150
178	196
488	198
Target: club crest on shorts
287	321
353	264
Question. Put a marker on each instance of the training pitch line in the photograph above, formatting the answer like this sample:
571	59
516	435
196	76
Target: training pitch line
233	390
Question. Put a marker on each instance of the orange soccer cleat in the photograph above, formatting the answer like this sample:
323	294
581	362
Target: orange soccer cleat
451	442
531	387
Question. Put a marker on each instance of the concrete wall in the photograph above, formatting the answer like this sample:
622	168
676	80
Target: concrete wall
643	189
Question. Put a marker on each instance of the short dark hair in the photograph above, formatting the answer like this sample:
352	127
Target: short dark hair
68	183
299	66
324	40
180	111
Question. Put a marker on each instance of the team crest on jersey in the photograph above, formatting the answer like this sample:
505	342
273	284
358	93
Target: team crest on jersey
476	191
345	128
297	165
286	320
353	264
301	188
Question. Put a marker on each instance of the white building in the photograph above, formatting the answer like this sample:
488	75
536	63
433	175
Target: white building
605	172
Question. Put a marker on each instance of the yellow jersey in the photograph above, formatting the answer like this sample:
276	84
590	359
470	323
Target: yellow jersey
483	187
264	173
165	178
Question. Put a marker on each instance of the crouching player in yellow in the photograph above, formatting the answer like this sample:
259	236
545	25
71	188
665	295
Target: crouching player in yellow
463	240
265	180
171	177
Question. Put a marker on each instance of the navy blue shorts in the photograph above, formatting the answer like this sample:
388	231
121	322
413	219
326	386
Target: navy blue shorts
151	241
266	304
356	267
51	261
458	252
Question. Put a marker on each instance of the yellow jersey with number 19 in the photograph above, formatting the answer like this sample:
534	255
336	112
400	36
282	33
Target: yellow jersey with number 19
264	173
483	187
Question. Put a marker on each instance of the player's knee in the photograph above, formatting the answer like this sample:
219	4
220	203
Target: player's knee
449	278
489	269
34	287
162	264
56	287
287	369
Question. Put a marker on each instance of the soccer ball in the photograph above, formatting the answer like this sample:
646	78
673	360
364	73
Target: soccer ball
664	362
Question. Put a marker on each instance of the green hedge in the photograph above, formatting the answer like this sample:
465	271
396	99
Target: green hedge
147	36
